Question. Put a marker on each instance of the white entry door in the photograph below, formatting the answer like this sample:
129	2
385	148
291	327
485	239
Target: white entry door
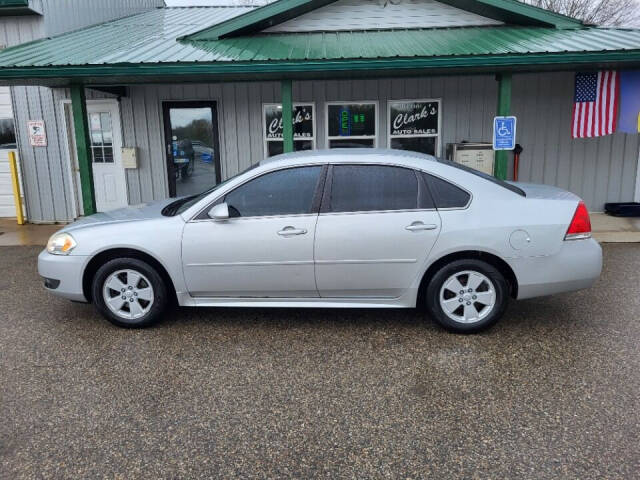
106	151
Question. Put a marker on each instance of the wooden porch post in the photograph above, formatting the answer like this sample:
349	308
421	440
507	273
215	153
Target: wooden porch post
504	109
83	146
287	115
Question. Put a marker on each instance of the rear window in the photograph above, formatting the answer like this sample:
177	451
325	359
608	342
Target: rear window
445	194
490	178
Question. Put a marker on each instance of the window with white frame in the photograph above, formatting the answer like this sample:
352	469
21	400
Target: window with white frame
415	125
352	125
303	127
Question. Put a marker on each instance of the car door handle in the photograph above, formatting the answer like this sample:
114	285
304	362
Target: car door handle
291	231
418	226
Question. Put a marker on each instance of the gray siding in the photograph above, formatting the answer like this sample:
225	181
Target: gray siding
59	16
45	173
466	101
44	169
599	170
15	30
368	15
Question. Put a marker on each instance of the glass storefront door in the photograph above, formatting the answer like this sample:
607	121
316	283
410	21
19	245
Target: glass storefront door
191	137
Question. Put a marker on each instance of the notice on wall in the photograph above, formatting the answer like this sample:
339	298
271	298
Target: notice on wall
37	133
413	118
504	133
302	121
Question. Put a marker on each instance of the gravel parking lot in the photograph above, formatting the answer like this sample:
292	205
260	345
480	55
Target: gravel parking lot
553	391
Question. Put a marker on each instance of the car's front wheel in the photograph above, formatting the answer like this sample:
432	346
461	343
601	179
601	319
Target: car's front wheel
129	293
467	296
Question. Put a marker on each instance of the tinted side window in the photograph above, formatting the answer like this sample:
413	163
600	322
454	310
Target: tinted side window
284	192
445	194
361	188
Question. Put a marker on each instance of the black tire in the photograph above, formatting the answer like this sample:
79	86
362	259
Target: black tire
486	320
187	170
156	308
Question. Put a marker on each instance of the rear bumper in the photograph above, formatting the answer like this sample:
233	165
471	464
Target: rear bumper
577	266
62	274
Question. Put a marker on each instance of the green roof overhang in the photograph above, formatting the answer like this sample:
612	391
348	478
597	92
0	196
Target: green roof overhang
246	71
508	11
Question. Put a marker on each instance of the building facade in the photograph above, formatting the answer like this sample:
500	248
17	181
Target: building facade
23	21
175	100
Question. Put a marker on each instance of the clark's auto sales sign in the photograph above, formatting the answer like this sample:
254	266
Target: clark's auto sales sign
413	118
302	121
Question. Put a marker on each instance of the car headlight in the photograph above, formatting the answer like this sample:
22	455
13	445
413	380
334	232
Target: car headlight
61	244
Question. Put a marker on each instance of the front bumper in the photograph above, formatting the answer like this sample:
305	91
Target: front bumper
65	271
576	266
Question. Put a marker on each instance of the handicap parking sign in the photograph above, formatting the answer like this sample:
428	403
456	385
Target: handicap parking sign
504	133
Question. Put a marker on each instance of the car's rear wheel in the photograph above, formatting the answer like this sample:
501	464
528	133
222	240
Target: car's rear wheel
467	296
129	293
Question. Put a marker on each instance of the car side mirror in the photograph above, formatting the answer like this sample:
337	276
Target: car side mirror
219	212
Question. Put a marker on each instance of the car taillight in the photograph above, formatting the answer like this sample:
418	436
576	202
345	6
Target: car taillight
580	226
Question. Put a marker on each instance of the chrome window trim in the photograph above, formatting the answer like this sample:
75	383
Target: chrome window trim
268	217
370	212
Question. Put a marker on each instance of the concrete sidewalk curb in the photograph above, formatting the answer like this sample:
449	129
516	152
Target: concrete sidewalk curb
617	237
608	229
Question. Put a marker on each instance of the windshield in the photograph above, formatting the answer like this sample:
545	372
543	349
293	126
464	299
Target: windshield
184	203
490	178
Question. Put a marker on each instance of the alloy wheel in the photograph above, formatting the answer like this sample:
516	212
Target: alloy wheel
128	294
467	297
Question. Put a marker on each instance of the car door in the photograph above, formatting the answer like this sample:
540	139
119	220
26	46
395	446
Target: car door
265	248
376	228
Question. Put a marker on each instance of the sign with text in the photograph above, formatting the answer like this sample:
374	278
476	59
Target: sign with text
504	133
37	133
413	118
302	121
352	120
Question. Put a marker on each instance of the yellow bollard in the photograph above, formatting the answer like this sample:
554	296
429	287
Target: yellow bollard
13	165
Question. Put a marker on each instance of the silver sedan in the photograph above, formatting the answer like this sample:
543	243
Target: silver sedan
340	229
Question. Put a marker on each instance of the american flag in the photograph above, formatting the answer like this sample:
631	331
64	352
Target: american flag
596	104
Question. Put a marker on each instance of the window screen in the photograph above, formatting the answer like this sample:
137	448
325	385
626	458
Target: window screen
285	192
361	188
445	194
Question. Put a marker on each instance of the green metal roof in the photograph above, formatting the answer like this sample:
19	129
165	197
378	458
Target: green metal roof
148	45
509	11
